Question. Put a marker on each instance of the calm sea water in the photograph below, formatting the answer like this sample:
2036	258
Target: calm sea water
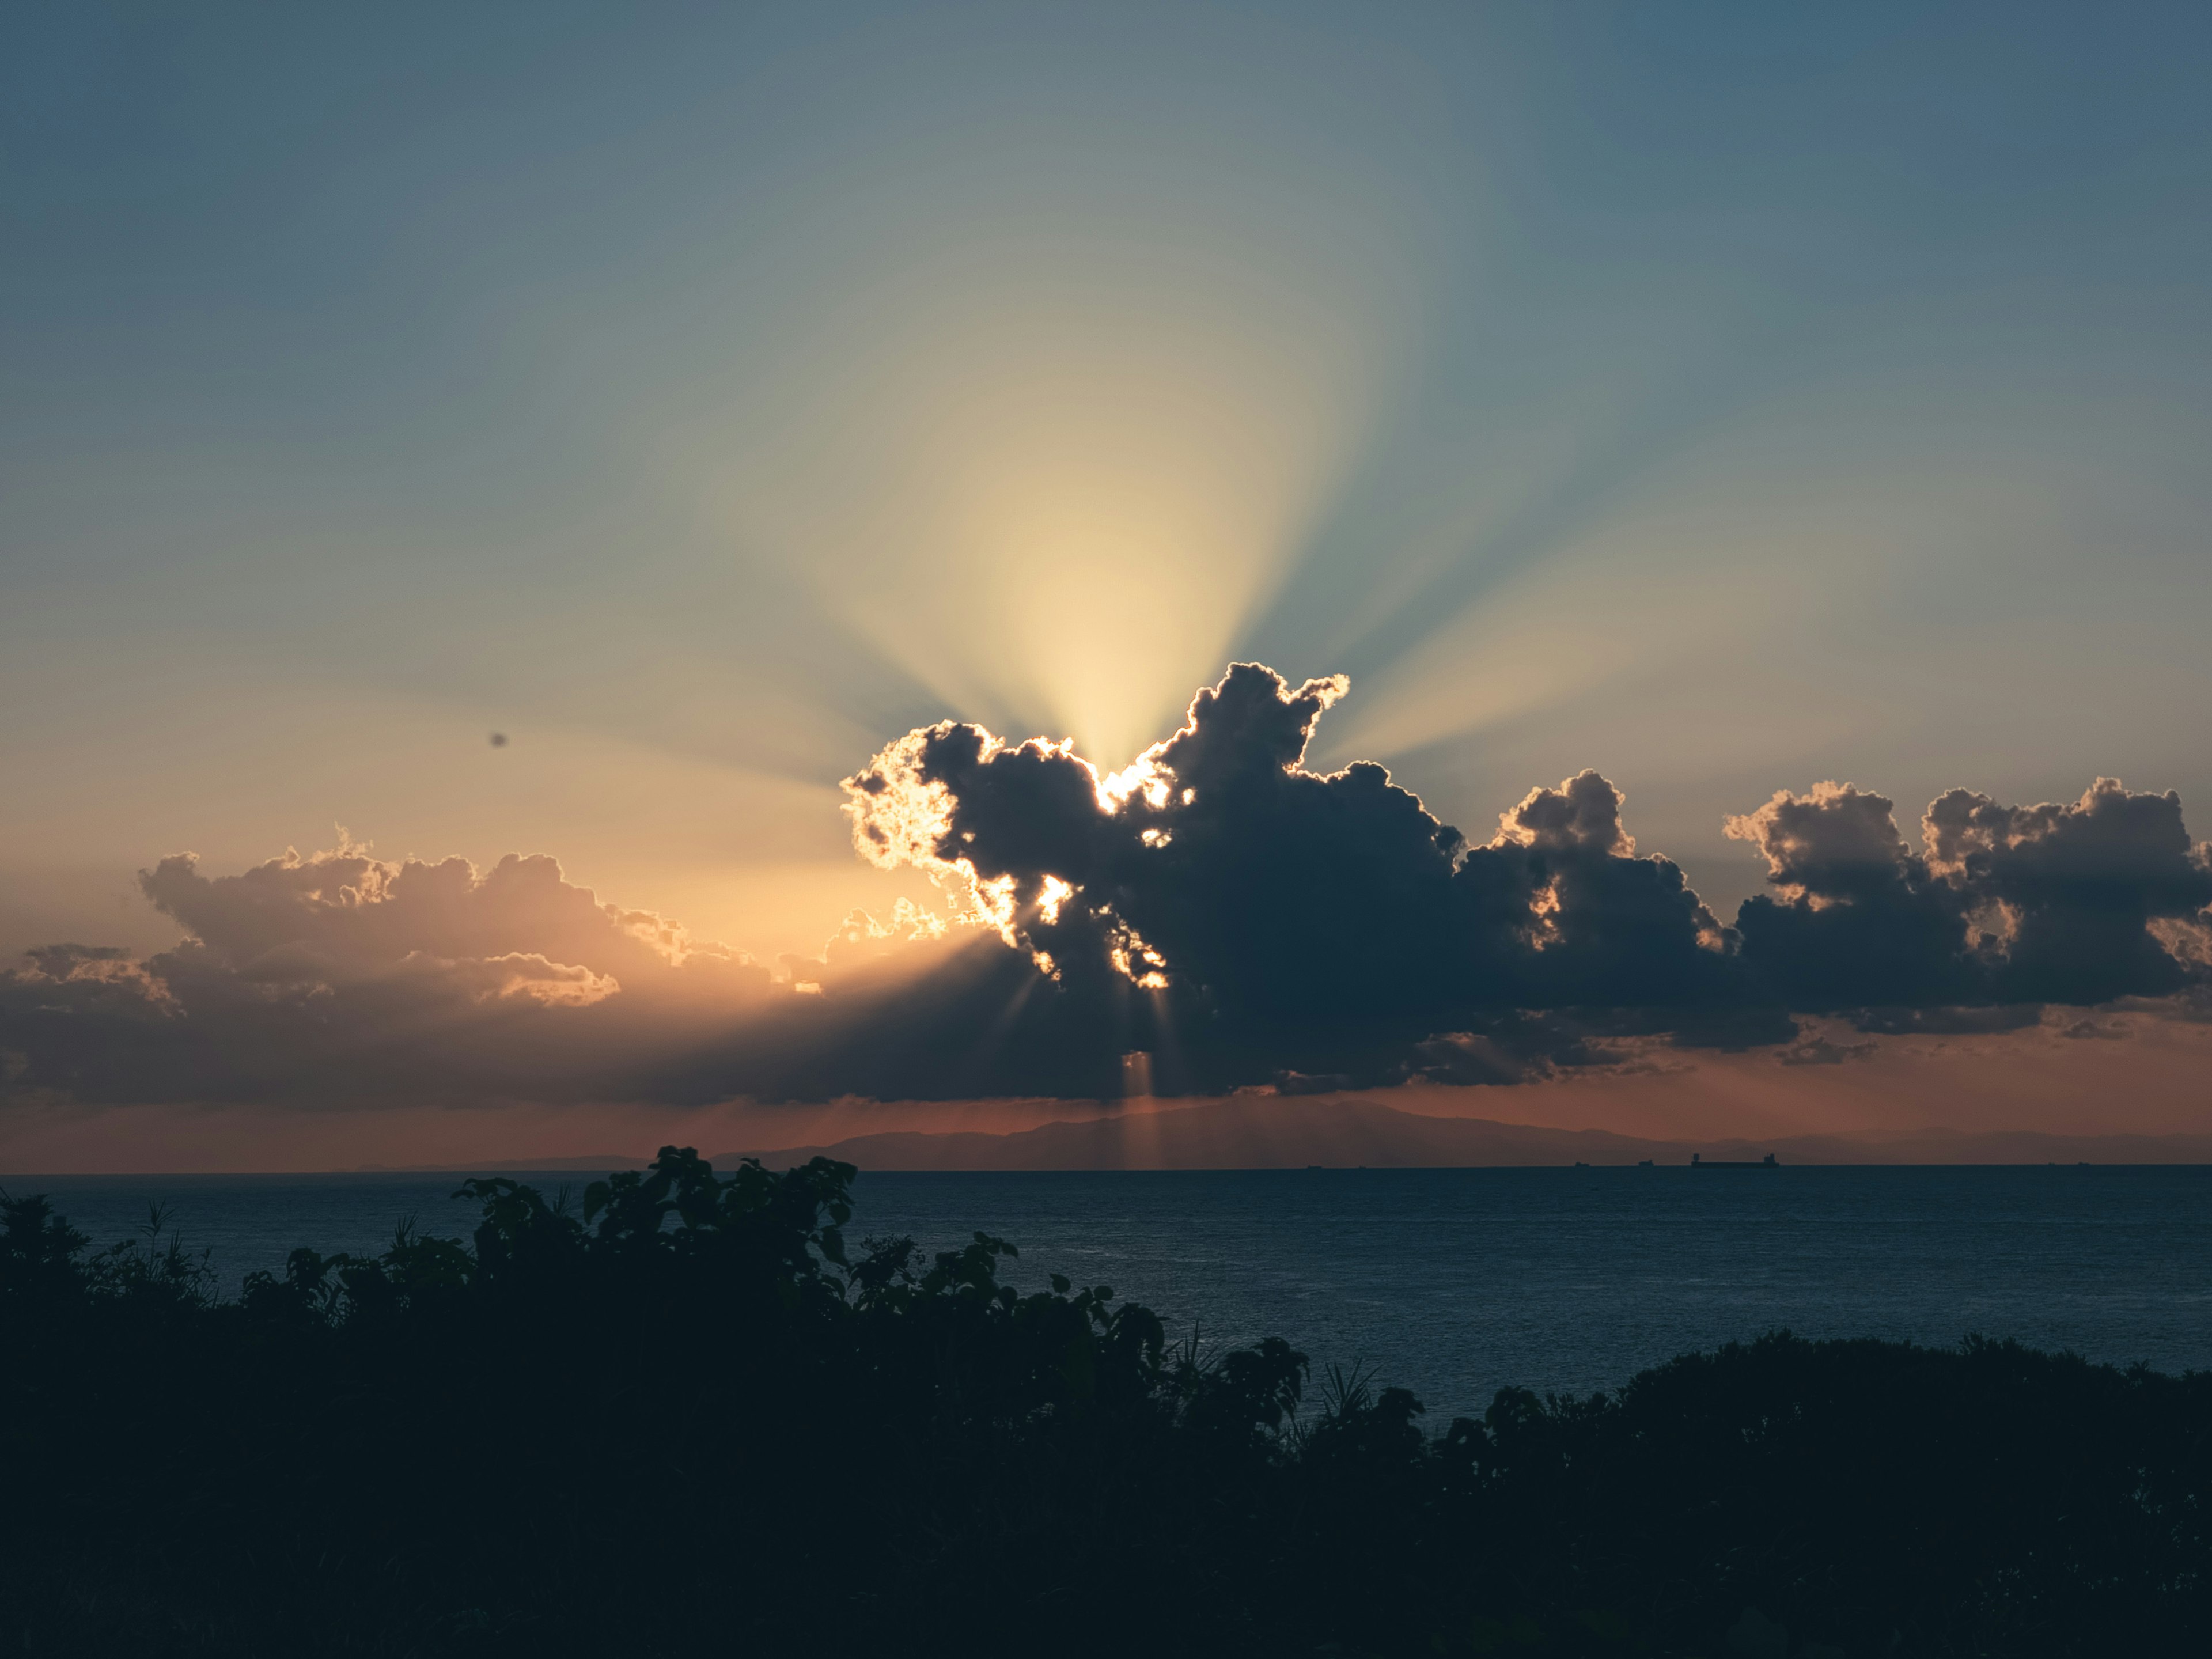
1455	1282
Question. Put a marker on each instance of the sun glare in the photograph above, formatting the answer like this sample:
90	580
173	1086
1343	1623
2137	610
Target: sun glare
1076	492
1056	893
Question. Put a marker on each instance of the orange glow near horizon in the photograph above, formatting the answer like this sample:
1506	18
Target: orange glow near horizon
2035	1081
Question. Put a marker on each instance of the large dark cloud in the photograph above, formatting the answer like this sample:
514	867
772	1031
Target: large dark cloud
1274	919
2016	905
1216	909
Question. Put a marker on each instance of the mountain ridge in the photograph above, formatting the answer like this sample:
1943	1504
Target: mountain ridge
1274	1132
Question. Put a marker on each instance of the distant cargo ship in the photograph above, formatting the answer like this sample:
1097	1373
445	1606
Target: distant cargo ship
1766	1163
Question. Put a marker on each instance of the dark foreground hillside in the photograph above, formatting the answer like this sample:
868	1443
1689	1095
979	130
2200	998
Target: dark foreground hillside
693	1417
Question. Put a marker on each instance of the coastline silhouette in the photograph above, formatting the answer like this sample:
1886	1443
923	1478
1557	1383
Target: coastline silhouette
685	1407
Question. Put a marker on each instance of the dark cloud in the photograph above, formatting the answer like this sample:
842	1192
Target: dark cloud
2005	904
1860	919
1250	917
1819	1051
2075	888
1298	1083
2190	1006
2094	1030
1216	915
1951	1020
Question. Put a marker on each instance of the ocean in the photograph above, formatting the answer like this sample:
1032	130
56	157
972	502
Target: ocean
1451	1282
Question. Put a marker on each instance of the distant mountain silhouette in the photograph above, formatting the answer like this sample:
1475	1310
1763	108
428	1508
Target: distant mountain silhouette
596	1162
1259	1132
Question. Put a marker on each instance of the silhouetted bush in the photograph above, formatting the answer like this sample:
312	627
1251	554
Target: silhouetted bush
691	1416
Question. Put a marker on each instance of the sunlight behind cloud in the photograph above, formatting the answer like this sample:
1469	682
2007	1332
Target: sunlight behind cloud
1054	501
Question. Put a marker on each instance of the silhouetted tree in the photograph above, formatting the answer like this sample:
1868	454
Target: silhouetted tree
687	1415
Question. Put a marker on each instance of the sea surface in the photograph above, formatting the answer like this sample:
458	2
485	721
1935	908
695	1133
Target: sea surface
1453	1282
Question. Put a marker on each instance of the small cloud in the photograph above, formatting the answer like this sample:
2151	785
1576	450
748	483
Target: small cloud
1819	1051
2093	1031
1948	1021
1298	1083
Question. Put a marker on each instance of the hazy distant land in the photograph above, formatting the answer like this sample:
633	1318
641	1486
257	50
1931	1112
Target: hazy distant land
1266	1132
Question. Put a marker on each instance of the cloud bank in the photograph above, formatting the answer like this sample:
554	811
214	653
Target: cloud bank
1214	915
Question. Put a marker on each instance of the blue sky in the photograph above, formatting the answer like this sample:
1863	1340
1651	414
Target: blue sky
1725	398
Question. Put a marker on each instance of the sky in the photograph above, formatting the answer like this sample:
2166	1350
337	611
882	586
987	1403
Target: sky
1728	400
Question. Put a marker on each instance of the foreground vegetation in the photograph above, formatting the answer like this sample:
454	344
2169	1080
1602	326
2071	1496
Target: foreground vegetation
696	1418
